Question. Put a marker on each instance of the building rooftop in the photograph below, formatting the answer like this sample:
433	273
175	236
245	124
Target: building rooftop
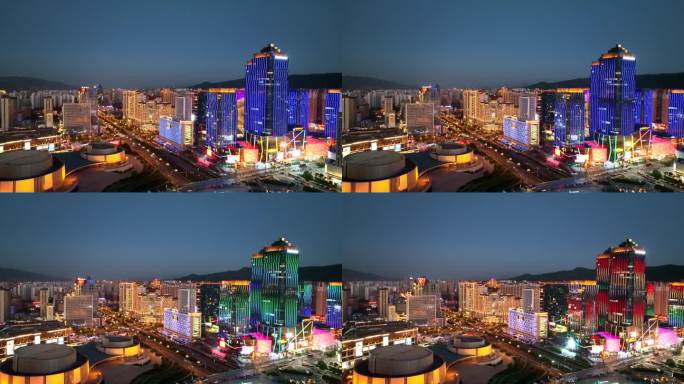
23	329
374	329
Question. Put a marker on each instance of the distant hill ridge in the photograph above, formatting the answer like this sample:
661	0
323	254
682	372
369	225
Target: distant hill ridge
16	275
310	81
668	272
311	273
20	83
652	81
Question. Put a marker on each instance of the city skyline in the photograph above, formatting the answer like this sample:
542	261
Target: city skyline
502	236
177	234
490	44
155	43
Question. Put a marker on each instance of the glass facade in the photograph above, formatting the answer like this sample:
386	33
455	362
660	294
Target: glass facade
266	93
333	318
233	309
613	88
569	118
675	115
221	117
333	98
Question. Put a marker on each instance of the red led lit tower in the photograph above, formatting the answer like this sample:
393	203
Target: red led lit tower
621	279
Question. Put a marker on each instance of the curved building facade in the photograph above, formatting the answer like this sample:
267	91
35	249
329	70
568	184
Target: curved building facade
30	171
400	364
453	153
104	153
378	171
120	346
472	346
45	363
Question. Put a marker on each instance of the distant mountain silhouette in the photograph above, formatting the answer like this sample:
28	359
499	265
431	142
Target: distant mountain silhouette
18	83
362	82
654	81
352	275
310	81
312	273
14	275
667	272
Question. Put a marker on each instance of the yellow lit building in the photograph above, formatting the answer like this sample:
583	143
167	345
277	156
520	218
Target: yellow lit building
400	364
378	171
30	171
46	363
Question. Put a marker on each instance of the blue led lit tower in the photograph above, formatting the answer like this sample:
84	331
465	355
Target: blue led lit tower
274	287
333	98
306	291
643	107
569	121
613	87
298	108
221	117
675	114
266	93
333	316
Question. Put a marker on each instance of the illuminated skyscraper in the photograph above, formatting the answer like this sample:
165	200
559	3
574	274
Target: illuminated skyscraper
274	284
675	306
675	116
266	93
569	117
333	317
333	98
4	305
221	117
621	279
383	302
643	107
233	310
613	87
298	108
306	292
187	299
210	296
44	297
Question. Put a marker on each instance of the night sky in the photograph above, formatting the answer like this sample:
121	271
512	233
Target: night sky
479	236
149	43
475	43
143	236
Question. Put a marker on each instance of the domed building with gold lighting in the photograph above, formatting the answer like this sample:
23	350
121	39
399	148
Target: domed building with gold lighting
30	171
400	363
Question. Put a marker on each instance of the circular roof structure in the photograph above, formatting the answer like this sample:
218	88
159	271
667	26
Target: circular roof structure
401	360
469	341
43	359
102	148
451	149
375	165
114	341
17	165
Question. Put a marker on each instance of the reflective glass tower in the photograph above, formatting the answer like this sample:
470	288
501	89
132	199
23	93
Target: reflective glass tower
298	108
221	117
266	93
274	286
569	113
643	107
675	115
333	315
233	310
333	98
613	87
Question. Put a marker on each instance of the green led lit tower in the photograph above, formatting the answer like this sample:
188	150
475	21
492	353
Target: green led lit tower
234	309
274	287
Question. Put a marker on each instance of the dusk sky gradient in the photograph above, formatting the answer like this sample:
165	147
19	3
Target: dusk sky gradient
151	43
455	43
141	236
475	43
477	236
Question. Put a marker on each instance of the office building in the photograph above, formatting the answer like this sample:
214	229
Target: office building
128	292
210	297
420	118
331	115
233	308
333	317
359	340
266	93
274	284
621	279
613	87
43	298
187	299
79	310
531	299
130	101
675	305
522	134
422	310
569	117
5	297
184	327
221	117
306	299
643	107
8	112
183	105
179	134
530	326
383	302
298	108
348	113
527	108
76	118
675	116
471	103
